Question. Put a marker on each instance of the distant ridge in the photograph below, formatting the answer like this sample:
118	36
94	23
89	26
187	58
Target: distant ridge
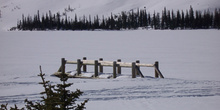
12	10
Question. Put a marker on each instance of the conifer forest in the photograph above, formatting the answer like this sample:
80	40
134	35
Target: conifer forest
133	19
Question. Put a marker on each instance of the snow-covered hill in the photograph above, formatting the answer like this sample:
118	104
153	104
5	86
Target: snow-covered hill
12	10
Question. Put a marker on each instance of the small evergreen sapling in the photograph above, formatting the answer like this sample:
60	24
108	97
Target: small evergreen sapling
57	97
54	97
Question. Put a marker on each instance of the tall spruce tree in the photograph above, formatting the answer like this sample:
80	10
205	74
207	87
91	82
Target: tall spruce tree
173	21
103	24
217	19
178	19
168	19
164	21
124	20
145	18
187	20
183	20
191	18
153	25
112	22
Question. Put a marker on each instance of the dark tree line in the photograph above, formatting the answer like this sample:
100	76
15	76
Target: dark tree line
125	20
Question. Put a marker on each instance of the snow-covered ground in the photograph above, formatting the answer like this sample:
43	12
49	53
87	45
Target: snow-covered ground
189	60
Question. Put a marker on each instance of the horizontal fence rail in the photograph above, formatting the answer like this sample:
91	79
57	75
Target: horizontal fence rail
110	63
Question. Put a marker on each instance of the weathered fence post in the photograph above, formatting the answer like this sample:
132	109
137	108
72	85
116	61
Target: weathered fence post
119	67
137	73
156	67
157	71
63	62
100	66
133	70
79	64
114	69
96	68
84	65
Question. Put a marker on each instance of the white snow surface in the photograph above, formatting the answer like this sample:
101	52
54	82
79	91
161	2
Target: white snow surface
12	10
189	60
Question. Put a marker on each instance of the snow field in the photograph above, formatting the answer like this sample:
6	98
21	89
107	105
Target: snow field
202	103
188	59
181	54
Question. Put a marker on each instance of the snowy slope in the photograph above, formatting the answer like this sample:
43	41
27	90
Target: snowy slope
12	10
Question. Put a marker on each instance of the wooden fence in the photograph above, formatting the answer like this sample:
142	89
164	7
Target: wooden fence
99	64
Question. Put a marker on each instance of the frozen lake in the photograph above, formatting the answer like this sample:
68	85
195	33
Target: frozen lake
189	60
